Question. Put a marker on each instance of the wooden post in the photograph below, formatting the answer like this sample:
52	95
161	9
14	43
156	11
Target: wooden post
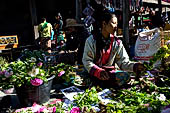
126	24
34	22
160	7
162	35
78	10
33	12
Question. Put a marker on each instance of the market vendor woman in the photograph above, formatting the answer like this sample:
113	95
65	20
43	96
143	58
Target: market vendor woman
102	50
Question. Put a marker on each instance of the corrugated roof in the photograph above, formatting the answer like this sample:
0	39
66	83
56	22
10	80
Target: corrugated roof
155	2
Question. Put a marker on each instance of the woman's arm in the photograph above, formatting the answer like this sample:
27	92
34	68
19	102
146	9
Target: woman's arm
122	59
89	57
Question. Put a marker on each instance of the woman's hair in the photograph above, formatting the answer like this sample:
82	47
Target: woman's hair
100	16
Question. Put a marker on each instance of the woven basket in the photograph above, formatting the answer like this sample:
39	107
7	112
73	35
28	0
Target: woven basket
164	34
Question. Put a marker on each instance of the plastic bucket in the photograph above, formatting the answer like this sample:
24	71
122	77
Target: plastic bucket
38	94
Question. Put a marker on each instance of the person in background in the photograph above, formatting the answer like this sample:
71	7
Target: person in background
58	25
103	50
45	30
76	35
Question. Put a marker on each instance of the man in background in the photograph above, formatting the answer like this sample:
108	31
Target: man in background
45	30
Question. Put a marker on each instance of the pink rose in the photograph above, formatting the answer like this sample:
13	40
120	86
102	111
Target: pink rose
75	110
61	73
36	82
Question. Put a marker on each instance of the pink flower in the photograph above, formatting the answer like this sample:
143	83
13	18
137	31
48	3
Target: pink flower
51	109
75	110
36	82
9	91
39	64
43	108
54	109
61	73
18	110
35	107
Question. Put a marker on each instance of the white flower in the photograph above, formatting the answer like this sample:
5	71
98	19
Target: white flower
42	74
43	54
37	70
34	72
31	73
161	97
33	59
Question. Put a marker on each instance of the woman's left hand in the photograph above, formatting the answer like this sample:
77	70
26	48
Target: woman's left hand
138	67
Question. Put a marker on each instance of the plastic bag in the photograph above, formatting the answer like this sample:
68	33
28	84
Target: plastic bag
147	43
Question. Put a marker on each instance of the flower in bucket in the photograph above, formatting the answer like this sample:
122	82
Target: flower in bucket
20	73
27	71
36	82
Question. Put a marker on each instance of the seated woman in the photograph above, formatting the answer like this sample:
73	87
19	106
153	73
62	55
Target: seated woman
102	50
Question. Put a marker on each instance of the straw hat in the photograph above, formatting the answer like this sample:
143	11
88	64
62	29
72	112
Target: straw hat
72	23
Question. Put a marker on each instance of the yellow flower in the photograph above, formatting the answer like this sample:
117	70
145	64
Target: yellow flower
166	55
165	47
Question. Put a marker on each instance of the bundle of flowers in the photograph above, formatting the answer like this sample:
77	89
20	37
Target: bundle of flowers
52	107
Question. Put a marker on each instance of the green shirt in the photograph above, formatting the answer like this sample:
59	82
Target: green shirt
45	29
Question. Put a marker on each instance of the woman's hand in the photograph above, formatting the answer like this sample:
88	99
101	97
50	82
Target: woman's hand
104	75
138	68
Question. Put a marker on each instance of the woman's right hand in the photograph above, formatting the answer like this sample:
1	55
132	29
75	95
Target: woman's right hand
104	75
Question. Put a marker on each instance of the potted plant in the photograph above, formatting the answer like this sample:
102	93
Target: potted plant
30	77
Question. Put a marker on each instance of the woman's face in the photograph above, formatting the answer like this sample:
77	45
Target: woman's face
111	26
